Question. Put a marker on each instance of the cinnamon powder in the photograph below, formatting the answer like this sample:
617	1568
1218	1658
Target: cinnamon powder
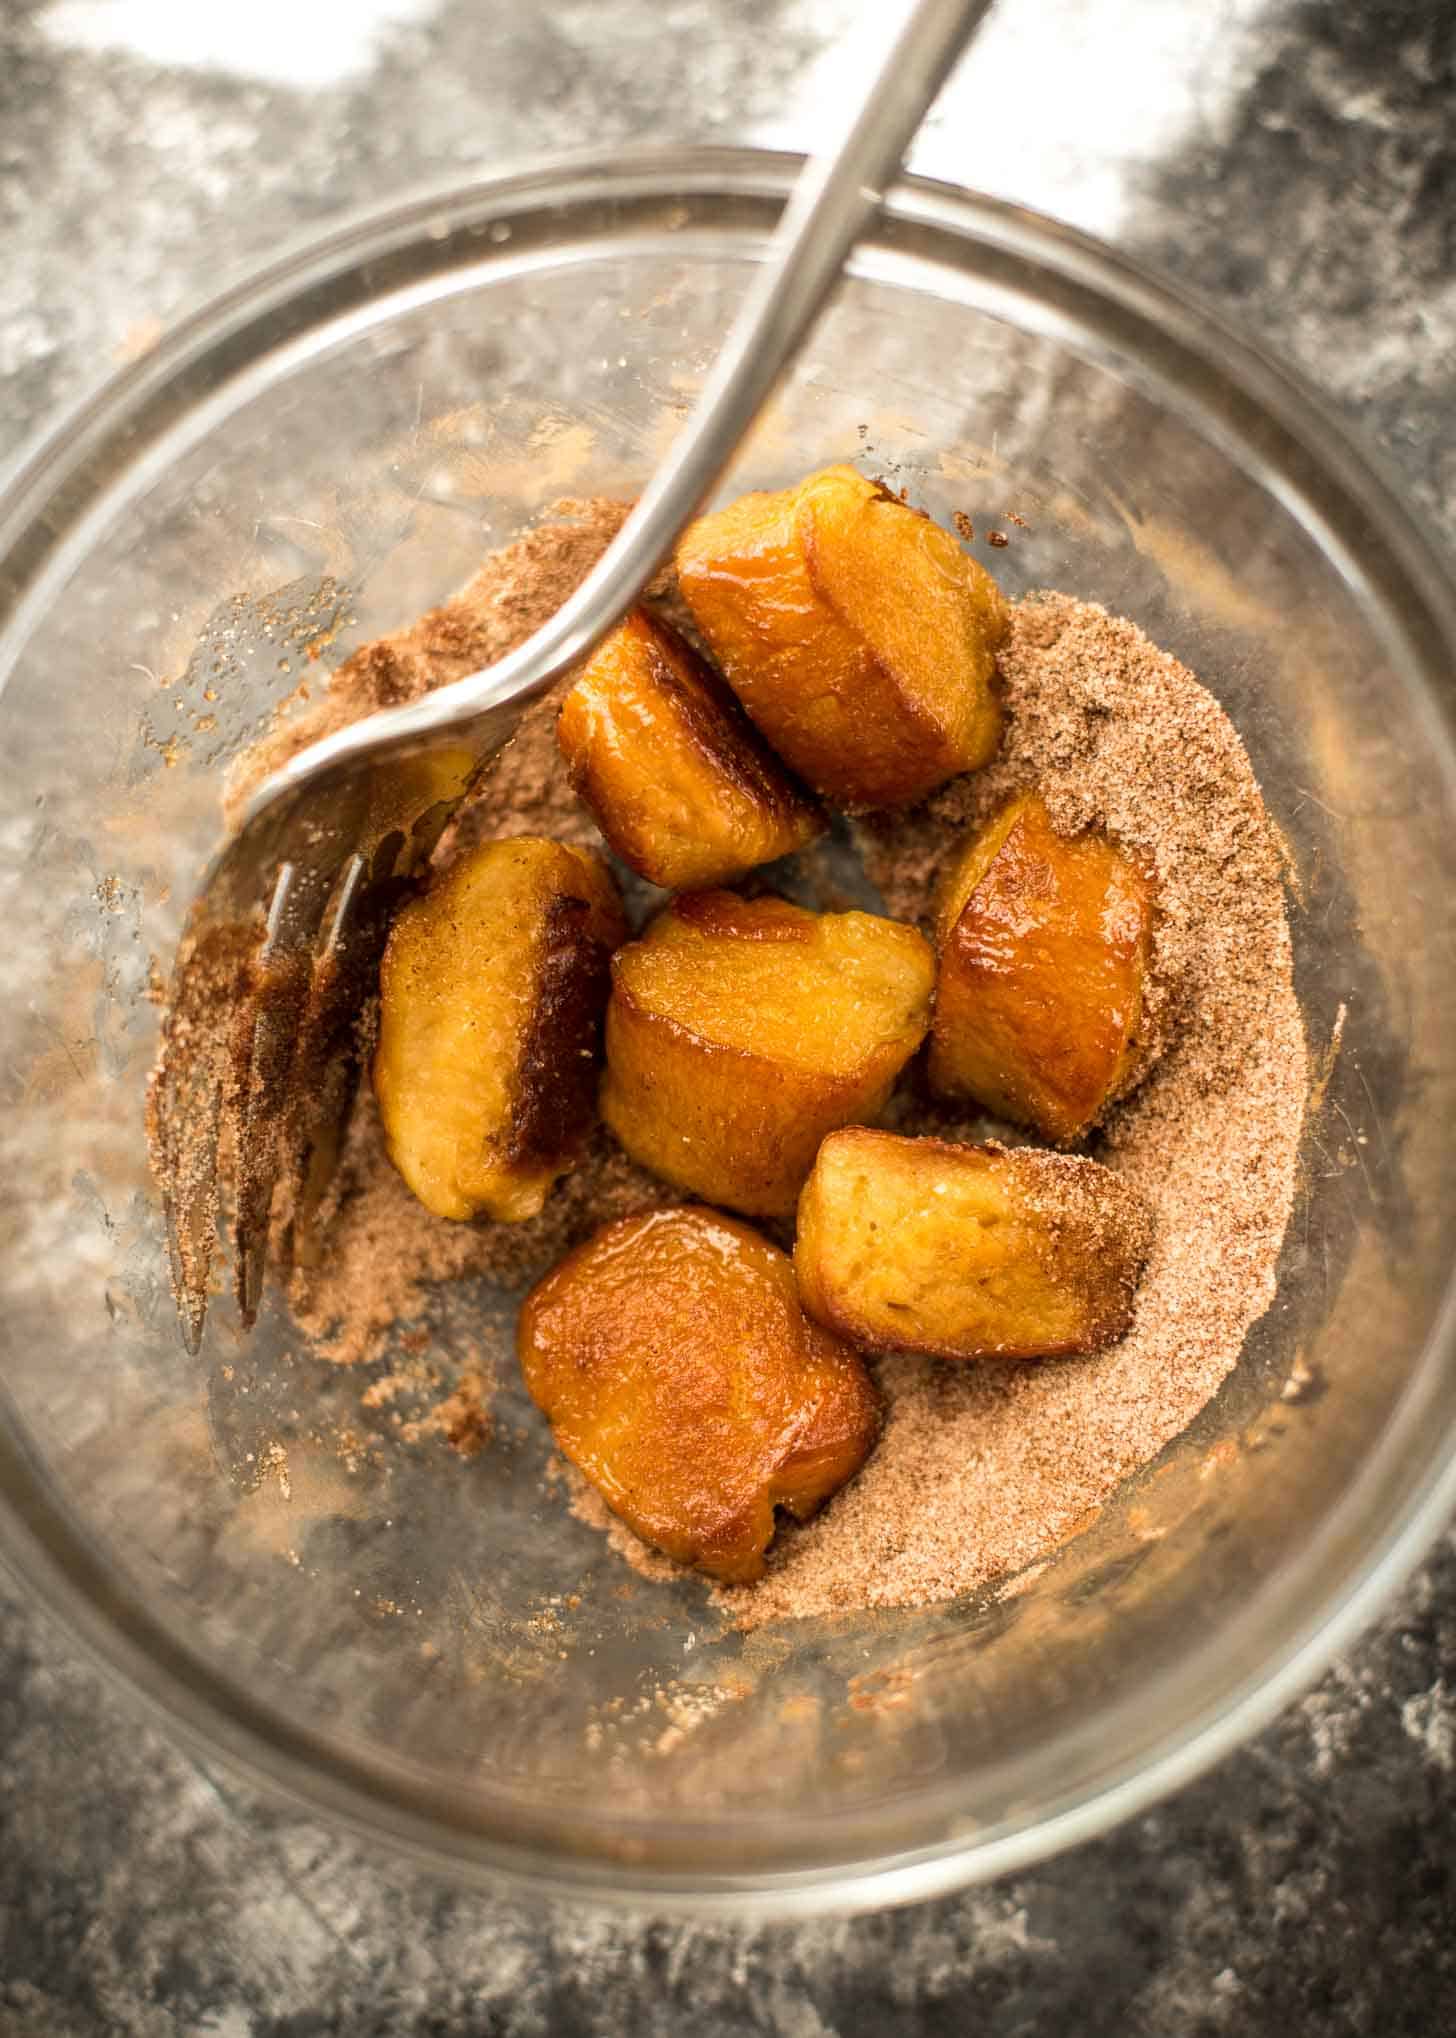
985	1466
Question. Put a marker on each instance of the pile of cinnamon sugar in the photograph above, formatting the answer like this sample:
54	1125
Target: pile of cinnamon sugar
982	1467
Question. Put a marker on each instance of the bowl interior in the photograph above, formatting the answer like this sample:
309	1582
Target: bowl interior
438	1646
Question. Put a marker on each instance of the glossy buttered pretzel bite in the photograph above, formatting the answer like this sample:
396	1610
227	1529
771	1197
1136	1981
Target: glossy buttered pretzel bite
491	997
857	633
740	1031
1044	942
679	1373
679	782
968	1252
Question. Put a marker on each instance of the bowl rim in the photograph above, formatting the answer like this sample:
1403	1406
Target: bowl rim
1280	427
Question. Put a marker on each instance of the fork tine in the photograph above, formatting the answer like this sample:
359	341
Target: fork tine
264	1048
184	1109
315	1157
191	1221
331	1051
189	1198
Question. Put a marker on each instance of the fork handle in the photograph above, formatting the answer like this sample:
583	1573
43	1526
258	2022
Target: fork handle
837	193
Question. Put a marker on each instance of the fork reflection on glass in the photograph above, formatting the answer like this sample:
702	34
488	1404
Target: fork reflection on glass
260	1050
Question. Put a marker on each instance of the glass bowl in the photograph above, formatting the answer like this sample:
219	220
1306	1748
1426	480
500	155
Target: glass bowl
437	1651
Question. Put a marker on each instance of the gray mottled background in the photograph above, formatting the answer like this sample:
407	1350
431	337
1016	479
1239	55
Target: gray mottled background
1297	163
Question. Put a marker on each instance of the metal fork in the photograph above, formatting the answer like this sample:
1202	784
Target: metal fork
285	935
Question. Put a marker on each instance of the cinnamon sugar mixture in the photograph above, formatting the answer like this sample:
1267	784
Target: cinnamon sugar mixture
983	1466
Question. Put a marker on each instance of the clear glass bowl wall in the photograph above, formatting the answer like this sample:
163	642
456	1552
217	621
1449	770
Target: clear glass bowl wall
341	440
